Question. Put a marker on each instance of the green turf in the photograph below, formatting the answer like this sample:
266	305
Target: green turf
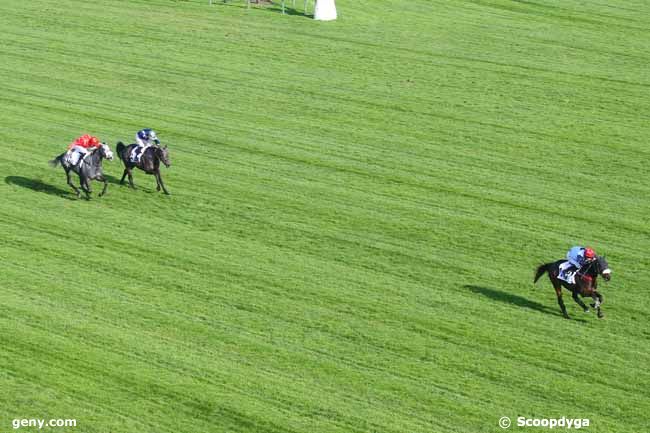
356	211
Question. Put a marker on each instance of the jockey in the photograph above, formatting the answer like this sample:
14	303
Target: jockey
144	138
579	257
78	149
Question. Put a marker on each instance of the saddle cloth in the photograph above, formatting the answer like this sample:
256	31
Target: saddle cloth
567	275
73	158
136	153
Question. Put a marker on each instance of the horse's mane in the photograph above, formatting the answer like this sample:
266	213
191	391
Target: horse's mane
592	268
157	151
92	152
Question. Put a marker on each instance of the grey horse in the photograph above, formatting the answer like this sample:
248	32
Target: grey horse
90	168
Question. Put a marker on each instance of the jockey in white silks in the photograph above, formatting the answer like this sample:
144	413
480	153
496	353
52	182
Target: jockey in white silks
82	146
144	138
325	10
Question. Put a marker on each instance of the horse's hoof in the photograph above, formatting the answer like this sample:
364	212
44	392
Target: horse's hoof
586	310
566	316
601	315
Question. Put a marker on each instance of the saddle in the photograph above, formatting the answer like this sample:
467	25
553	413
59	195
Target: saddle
75	158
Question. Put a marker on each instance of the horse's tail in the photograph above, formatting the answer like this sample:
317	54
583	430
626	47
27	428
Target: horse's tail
541	270
56	161
119	149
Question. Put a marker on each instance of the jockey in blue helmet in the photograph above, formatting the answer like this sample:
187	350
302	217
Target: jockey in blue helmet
144	138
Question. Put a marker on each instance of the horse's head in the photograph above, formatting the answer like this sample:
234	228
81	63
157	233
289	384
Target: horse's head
163	155
603	268
105	151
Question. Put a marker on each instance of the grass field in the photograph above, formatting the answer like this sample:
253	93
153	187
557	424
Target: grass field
357	208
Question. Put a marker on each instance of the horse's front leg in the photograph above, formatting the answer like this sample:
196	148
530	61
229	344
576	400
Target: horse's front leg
160	182
598	301
76	190
576	298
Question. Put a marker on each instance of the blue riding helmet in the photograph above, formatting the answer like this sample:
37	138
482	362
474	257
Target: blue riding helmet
148	134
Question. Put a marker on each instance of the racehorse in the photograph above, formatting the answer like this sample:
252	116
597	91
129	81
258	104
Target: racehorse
149	162
586	283
89	168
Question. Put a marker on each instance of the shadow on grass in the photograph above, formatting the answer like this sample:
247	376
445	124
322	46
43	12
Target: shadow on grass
272	6
112	179
519	301
147	188
39	186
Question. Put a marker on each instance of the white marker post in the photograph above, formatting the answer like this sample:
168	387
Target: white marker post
325	10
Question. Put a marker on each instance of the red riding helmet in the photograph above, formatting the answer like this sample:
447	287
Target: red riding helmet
590	254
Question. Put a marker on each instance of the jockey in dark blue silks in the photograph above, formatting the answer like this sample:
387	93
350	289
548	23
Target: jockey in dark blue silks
144	138
577	258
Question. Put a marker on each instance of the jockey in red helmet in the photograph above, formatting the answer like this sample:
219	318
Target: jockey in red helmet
580	256
577	257
78	149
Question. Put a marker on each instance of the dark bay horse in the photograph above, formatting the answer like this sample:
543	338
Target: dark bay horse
89	168
149	162
586	283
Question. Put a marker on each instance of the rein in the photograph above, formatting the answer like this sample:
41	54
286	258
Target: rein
586	271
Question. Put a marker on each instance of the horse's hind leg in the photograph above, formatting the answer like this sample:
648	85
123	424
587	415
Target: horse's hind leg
558	292
560	301
123	176
128	172
76	190
576	298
